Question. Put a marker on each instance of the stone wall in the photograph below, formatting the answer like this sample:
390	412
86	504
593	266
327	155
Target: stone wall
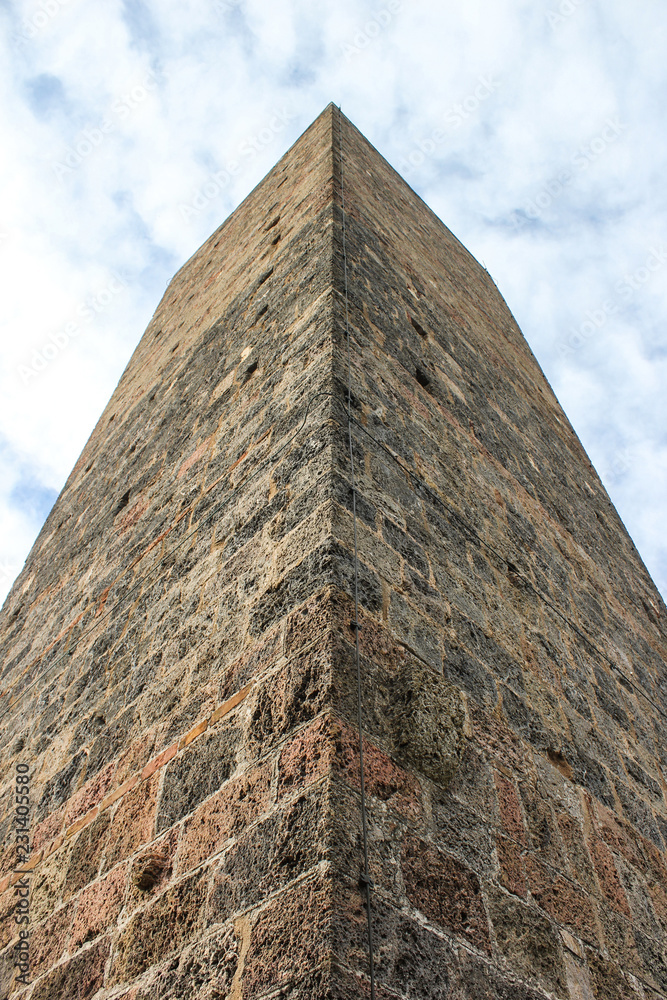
178	653
514	639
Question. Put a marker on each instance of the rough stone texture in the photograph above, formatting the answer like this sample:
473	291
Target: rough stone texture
178	654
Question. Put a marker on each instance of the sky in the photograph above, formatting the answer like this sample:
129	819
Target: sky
535	130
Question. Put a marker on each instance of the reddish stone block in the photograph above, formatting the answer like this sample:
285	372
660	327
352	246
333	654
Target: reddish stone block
78	979
561	900
132	516
98	907
48	829
383	778
445	891
89	796
610	883
49	941
307	757
619	836
234	807
328	746
133	820
511	866
576	852
198	453
510	809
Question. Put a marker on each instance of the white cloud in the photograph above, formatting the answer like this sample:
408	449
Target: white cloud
168	95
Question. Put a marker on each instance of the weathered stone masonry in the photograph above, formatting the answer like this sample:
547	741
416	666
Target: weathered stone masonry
178	656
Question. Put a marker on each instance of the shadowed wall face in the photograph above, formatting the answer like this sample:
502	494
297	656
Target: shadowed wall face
179	663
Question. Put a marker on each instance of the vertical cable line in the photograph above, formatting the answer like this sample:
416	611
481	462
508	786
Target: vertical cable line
365	879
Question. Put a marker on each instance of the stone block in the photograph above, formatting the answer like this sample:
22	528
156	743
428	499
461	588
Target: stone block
510	859
410	961
46	831
205	970
50	941
197	772
429	723
576	853
608	981
8	929
477	979
133	821
509	805
135	756
77	979
98	907
251	665
329	746
445	891
528	942
227	706
607	873
290	937
542	830
48	886
295	693
620	940
462	831
561	900
238	804
275	852
164	927
420	635
118	793
496	740
89	796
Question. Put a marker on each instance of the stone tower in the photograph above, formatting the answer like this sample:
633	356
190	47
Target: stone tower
333	481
